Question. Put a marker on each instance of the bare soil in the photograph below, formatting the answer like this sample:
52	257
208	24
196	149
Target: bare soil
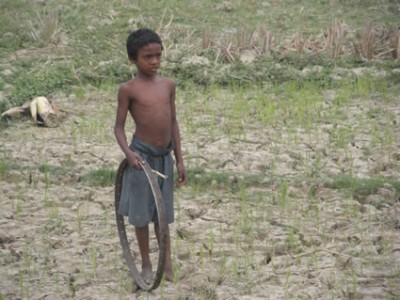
291	237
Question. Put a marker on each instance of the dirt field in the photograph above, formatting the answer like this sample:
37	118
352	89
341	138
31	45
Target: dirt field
291	235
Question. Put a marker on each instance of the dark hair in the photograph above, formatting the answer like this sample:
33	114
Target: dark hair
139	39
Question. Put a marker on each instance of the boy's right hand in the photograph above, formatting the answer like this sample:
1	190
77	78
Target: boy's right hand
134	160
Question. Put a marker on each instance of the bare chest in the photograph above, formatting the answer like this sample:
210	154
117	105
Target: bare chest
151	95
152	98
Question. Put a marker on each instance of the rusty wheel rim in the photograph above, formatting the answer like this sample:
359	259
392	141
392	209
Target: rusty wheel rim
163	228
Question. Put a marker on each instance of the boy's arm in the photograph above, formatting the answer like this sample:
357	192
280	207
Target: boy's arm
119	128
177	140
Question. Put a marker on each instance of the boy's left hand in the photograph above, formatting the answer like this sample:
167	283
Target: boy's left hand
181	173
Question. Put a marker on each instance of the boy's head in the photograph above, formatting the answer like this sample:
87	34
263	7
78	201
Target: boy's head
139	39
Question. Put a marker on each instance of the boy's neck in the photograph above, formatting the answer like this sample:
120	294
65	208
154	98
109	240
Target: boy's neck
142	76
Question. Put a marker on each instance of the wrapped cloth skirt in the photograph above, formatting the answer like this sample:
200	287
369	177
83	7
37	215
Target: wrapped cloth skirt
137	200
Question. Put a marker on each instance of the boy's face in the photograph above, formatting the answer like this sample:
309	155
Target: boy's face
148	59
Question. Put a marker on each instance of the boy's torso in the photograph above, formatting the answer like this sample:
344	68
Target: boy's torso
150	108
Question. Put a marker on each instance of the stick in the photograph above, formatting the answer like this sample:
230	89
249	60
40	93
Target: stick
165	177
160	174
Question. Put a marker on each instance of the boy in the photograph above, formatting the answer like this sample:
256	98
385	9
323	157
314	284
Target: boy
150	100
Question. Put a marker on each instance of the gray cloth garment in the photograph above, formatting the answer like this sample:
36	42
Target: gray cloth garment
137	200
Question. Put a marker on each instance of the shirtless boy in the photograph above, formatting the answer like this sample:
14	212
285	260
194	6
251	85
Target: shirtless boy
150	100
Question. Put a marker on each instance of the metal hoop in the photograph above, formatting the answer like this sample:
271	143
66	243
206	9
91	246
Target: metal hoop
162	222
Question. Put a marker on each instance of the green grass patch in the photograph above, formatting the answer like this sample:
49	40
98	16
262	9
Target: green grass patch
204	180
14	33
39	82
4	167
362	187
53	170
68	45
9	170
89	49
100	177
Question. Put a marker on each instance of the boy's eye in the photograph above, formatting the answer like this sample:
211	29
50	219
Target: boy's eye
152	56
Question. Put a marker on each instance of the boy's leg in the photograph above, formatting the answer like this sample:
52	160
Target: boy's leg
142	235
168	271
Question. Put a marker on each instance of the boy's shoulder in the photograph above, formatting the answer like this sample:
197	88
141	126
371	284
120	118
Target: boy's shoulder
165	80
170	82
160	80
128	83
137	84
128	89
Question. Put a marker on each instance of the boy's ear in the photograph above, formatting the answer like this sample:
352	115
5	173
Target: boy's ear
130	60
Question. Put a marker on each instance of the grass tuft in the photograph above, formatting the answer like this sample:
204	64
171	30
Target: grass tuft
202	180
362	187
4	167
100	177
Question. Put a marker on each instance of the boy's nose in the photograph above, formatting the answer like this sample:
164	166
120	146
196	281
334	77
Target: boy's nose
155	60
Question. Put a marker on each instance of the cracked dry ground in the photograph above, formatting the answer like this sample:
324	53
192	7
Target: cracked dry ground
287	235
